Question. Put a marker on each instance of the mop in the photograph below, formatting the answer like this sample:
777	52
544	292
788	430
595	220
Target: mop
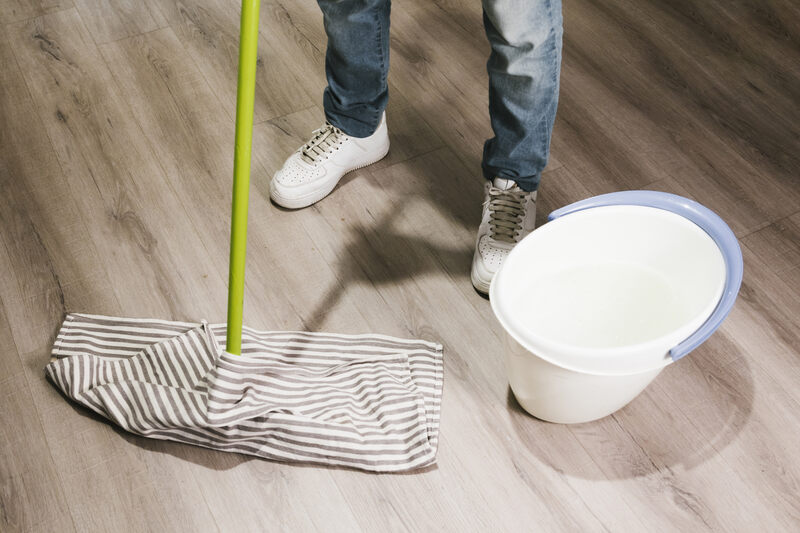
369	402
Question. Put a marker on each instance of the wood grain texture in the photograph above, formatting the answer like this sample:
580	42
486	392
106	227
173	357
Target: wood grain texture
31	496
285	78
116	137
81	450
16	10
111	20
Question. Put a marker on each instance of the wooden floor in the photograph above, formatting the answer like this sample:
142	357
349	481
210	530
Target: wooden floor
116	139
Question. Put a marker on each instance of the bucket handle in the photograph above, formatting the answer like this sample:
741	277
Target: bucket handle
709	221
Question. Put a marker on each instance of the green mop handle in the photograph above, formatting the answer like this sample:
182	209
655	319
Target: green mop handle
245	95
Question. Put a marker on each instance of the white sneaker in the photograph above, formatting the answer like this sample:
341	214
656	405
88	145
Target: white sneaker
312	172
509	214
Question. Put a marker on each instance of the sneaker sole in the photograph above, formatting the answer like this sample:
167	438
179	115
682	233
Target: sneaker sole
313	197
480	285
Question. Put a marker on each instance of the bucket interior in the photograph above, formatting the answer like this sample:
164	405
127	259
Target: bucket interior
594	282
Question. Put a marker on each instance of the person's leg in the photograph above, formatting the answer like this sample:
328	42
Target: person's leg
356	63
524	68
355	134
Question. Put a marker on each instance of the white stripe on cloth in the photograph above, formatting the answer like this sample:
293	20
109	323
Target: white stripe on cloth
370	402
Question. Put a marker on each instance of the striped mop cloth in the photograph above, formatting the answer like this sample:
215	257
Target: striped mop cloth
363	401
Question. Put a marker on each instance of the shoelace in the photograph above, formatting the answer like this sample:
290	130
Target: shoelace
506	211
322	141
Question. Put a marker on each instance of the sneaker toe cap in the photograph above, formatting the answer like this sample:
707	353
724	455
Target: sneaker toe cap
295	173
492	255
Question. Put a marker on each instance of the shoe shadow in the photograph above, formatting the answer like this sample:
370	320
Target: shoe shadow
380	255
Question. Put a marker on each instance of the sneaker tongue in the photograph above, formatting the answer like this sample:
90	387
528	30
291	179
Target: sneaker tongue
504	184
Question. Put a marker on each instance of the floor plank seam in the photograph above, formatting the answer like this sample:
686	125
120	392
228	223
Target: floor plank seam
34	17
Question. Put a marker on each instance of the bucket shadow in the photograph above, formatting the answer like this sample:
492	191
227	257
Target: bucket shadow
689	414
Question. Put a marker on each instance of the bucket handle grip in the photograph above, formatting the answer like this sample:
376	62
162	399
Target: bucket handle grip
709	222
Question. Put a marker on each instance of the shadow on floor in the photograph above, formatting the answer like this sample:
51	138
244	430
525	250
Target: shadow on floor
379	255
653	434
221	461
207	457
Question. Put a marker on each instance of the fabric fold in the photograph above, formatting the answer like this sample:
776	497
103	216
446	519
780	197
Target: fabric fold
370	402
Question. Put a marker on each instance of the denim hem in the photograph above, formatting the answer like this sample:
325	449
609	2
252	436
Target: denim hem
351	127
527	184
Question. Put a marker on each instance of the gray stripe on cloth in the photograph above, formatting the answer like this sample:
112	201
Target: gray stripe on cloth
370	402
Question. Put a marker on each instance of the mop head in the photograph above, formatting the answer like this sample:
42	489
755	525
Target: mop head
369	402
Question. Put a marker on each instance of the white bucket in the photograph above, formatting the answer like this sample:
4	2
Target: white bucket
595	304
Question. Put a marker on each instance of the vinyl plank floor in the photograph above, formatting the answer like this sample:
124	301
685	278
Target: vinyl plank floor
116	139
111	20
194	148
32	496
16	10
209	31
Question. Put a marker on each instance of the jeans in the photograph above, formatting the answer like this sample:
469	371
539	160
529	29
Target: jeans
524	66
